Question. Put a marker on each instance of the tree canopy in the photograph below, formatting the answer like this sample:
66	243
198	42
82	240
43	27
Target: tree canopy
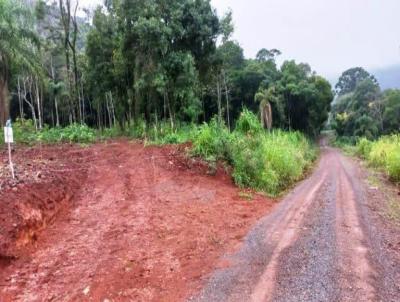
157	60
361	109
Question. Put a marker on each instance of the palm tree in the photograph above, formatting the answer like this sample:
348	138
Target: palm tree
18	43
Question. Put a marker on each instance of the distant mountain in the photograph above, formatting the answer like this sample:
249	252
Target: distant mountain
388	77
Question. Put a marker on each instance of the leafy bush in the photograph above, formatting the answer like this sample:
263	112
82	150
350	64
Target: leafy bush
383	153
212	141
248	123
363	147
74	133
393	164
266	161
271	161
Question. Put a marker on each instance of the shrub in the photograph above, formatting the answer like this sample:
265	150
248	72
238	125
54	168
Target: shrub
393	164
248	123
383	153
270	162
212	141
74	133
363	147
266	161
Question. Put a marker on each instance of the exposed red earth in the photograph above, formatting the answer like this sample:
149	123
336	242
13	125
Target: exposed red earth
116	222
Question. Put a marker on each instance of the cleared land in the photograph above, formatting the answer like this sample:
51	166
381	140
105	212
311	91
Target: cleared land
117	221
120	222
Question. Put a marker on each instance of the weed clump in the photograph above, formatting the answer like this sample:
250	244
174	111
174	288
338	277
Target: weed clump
266	161
383	153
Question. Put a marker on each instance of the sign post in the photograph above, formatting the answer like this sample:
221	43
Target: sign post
9	138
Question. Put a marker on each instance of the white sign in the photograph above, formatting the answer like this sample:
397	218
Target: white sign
8	135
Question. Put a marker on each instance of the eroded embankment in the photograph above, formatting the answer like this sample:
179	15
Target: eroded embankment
46	181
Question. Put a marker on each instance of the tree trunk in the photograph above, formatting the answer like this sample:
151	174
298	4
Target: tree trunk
171	116
21	104
38	104
219	101
83	104
57	116
227	101
30	103
4	105
266	115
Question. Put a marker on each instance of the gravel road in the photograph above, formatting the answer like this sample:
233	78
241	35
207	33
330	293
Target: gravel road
324	242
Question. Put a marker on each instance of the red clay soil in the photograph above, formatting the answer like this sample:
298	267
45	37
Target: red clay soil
46	180
123	223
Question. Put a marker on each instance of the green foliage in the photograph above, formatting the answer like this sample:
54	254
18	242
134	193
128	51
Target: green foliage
74	133
383	153
363	147
248	123
301	99
165	134
351	78
25	133
362	110
268	162
393	164
212	141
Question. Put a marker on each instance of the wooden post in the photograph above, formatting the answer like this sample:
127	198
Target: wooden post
10	160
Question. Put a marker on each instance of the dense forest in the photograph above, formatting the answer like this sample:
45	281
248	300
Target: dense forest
129	61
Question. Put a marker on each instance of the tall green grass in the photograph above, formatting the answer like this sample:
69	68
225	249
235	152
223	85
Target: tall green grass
266	161
383	153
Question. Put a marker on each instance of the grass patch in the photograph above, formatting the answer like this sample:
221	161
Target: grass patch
265	161
383	154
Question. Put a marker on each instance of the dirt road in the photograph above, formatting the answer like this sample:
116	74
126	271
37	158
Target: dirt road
325	242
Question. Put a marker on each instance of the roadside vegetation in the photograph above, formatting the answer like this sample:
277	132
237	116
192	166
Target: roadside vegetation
367	121
26	133
383	153
267	161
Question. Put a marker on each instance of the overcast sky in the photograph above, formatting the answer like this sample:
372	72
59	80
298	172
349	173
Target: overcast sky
330	35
